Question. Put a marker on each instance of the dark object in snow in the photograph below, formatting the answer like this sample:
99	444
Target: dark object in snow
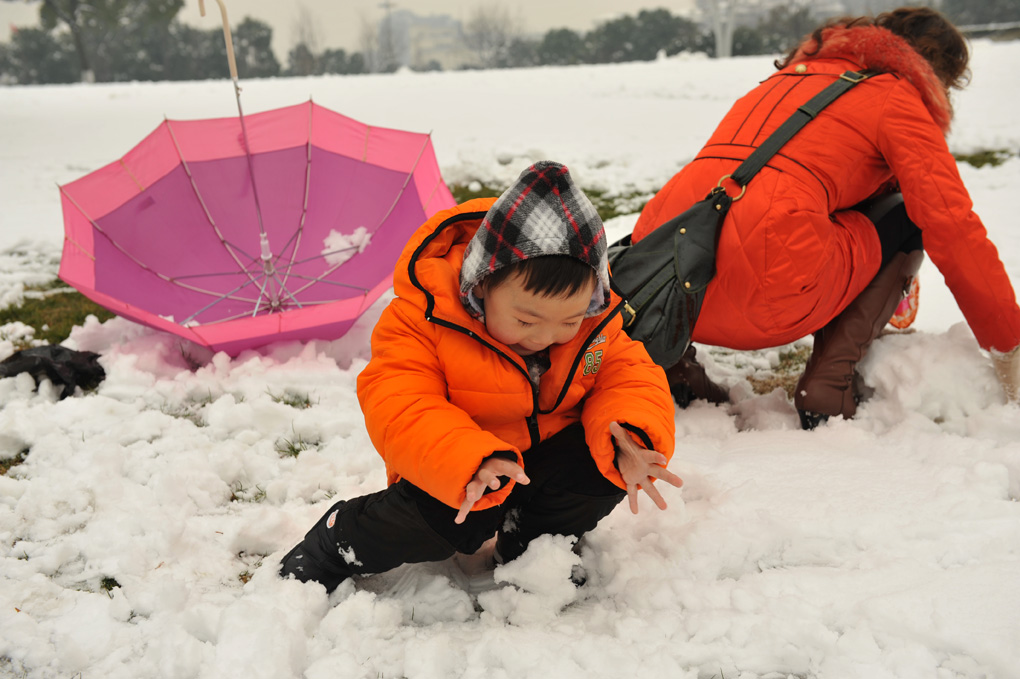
61	366
688	381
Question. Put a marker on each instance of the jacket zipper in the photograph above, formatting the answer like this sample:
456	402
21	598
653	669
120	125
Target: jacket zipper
532	419
536	435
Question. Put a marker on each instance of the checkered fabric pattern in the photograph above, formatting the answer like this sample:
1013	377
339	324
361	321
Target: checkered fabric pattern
543	213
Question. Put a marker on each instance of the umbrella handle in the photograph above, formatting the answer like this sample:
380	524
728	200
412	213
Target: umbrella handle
226	36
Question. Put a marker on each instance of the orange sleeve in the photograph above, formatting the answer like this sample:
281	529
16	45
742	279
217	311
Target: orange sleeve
632	390
954	237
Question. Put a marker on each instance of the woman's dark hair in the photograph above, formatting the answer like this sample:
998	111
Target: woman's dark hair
929	32
549	275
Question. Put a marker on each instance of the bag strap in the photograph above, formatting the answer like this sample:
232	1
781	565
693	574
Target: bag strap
801	117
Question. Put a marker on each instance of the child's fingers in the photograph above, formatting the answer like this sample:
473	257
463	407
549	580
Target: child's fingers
653	493
667	476
471	495
498	467
486	478
622	439
632	493
465	507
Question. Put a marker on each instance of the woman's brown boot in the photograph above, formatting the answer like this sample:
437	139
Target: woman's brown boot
826	388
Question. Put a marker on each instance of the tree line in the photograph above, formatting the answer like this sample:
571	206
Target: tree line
124	40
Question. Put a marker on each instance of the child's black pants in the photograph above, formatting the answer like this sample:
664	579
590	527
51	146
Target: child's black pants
403	524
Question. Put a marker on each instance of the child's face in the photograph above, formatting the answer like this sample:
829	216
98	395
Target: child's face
528	322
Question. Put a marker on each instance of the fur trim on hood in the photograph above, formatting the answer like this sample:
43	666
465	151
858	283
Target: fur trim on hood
878	49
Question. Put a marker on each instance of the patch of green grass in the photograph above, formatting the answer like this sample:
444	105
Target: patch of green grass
291	398
988	157
253	561
107	584
293	447
784	375
7	667
607	204
240	493
53	315
610	205
183	411
7	463
190	409
464	192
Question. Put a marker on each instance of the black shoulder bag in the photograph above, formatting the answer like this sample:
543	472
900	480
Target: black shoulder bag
662	278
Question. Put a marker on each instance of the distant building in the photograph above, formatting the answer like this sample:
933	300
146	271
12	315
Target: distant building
424	43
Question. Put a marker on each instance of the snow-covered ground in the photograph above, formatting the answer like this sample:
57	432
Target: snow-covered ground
141	534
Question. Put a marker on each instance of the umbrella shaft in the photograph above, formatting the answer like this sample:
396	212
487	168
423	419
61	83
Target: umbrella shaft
247	153
268	270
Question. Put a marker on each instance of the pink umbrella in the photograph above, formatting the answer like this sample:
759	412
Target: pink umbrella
236	232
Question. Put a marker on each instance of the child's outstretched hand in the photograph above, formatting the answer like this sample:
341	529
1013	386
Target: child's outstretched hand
638	466
487	476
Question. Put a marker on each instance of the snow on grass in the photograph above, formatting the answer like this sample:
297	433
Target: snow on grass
141	525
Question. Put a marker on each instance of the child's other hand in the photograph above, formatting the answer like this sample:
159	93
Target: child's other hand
487	476
638	466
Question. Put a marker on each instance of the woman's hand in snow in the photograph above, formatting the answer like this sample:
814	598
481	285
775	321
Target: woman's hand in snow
487	476
1007	368
639	467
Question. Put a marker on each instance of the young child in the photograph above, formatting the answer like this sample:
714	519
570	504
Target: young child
502	393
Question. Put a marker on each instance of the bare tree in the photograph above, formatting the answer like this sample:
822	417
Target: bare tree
305	29
368	41
489	32
303	56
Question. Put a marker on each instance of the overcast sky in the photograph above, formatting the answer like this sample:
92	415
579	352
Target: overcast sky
338	21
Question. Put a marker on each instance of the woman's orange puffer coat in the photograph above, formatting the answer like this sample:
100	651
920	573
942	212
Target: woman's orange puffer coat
792	253
440	394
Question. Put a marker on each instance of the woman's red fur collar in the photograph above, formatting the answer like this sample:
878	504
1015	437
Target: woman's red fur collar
877	49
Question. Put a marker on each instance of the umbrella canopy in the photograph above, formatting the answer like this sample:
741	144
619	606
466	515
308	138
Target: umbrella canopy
236	232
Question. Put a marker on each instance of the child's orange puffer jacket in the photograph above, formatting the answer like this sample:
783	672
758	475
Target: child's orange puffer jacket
440	394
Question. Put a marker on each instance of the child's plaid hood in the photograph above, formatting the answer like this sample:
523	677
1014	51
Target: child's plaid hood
543	213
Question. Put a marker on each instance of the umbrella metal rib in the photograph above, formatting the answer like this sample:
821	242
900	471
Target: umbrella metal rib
328	282
211	304
212	222
324	255
253	278
268	269
296	237
213	274
140	263
220	296
393	205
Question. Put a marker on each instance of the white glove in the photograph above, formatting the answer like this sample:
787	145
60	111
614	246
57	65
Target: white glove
1007	369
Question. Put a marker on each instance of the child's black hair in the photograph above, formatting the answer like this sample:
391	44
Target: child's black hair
548	275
